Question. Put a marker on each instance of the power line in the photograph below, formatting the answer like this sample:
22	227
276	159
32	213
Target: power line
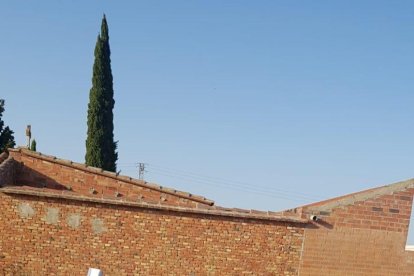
267	194
220	182
231	182
235	187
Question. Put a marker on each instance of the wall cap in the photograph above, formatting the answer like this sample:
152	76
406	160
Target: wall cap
266	216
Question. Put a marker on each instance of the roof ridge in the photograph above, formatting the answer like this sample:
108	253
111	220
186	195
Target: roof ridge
349	199
130	180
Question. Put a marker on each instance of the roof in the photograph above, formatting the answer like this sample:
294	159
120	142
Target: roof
349	199
99	171
204	206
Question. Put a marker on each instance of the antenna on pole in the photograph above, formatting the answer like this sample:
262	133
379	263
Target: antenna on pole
29	135
141	170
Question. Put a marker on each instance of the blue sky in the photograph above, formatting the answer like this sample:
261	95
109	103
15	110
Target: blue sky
255	104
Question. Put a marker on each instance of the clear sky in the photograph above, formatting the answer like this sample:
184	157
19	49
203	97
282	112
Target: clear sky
254	104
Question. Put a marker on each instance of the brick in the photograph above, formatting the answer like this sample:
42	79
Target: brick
361	236
377	238
180	244
407	198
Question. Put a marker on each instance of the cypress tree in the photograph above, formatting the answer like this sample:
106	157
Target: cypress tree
33	145
100	144
6	134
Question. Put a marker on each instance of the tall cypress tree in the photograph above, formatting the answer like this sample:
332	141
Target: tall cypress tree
100	144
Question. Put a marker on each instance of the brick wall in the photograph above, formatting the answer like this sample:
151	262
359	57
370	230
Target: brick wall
7	166
49	172
365	237
49	236
130	227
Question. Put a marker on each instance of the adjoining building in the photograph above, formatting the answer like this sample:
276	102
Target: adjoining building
58	217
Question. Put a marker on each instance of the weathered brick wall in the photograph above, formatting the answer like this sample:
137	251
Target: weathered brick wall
42	171
363	238
45	236
3	156
145	229
7	166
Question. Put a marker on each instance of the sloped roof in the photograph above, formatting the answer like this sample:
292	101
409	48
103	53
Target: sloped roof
127	179
349	199
204	206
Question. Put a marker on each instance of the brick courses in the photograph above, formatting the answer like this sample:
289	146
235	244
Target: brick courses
361	234
124	240
38	170
60	218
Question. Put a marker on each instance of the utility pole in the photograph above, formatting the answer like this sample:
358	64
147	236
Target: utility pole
141	170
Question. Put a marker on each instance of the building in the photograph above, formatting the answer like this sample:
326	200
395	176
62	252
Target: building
61	218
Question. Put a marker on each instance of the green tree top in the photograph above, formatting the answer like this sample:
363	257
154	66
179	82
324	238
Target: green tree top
33	145
100	145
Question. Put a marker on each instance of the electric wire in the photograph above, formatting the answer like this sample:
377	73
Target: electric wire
225	183
235	187
232	182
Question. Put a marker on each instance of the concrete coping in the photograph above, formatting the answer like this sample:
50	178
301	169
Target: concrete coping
337	202
127	179
266	216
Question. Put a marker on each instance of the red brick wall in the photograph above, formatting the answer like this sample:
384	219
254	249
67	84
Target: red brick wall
360	234
44	236
364	238
58	175
6	170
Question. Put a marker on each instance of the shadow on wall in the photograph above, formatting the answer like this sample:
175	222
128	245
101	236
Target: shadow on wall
320	224
26	176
